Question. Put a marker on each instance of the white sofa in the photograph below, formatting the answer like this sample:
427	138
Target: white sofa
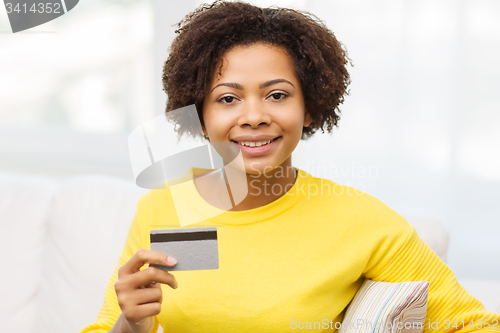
60	242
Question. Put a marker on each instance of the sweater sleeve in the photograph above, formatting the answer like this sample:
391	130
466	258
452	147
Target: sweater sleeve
449	305
110	310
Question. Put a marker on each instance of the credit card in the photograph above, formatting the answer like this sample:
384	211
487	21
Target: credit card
193	248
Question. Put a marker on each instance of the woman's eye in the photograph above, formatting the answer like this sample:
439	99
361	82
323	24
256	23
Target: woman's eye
226	99
276	96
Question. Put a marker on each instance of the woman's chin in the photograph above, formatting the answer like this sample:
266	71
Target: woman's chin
249	169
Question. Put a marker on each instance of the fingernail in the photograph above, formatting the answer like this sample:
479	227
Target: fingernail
176	285
171	260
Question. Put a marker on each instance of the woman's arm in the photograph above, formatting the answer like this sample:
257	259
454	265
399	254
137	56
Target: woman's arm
449	305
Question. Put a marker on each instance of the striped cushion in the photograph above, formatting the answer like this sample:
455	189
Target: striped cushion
387	307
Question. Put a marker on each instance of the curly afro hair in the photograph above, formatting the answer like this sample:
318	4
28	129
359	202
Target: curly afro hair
206	34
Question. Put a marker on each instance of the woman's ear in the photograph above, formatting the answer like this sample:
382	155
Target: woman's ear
307	119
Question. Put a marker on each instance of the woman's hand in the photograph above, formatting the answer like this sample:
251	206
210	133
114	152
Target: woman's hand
139	292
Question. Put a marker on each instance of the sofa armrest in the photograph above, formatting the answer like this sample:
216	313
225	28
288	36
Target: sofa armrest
432	232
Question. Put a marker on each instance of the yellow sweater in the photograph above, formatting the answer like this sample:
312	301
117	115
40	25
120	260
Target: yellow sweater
300	258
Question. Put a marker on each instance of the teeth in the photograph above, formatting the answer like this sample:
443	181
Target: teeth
255	144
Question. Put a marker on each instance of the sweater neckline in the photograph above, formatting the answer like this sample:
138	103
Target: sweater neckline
197	203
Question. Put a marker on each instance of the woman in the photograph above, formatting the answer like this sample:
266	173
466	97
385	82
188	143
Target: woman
296	248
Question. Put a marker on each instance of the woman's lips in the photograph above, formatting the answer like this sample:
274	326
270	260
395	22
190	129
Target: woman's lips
256	151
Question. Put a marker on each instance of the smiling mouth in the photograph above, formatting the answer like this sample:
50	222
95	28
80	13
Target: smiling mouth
252	144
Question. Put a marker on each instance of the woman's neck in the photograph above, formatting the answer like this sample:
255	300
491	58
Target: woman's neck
260	189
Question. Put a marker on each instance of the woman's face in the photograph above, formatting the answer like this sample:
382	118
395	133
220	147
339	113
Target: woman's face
257	97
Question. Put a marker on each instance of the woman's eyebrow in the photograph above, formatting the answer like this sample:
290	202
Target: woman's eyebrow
262	85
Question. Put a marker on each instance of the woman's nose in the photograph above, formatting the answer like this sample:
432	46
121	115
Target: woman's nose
254	114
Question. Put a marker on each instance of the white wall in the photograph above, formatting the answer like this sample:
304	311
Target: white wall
423	112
